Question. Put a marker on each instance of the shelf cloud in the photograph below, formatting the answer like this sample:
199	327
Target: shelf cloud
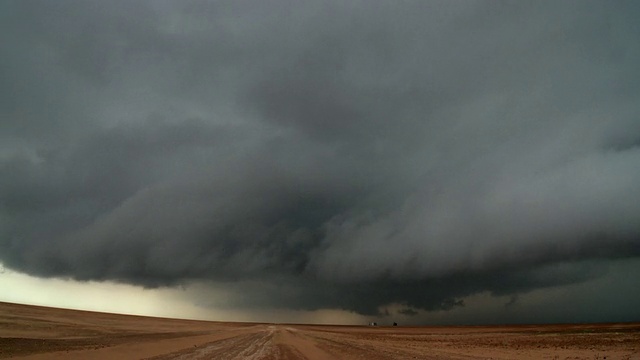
343	155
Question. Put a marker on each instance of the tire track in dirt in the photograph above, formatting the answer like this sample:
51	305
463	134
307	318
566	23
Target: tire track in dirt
297	341
244	346
266	343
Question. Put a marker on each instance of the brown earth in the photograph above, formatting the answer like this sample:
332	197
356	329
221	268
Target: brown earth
31	332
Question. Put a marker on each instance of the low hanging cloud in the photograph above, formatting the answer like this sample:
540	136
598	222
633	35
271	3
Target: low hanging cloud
329	155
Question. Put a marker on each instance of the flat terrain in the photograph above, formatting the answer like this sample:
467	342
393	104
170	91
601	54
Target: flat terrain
31	332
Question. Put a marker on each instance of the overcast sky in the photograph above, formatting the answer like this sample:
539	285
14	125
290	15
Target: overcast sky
433	161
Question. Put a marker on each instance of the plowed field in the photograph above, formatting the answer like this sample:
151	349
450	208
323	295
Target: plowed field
31	332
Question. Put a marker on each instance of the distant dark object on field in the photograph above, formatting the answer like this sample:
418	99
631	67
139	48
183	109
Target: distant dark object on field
395	324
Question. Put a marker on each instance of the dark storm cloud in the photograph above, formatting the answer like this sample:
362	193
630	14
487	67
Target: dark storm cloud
321	155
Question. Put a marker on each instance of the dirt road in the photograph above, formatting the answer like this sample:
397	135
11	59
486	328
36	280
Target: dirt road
261	342
28	332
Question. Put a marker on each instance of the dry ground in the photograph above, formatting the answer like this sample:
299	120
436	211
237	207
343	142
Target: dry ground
30	332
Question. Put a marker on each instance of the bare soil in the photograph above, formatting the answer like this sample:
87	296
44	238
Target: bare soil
32	332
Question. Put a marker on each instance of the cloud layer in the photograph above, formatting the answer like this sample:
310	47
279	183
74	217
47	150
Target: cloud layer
326	155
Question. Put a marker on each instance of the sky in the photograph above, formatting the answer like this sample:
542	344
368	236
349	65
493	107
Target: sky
322	161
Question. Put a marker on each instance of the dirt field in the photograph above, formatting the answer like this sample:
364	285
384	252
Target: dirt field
30	332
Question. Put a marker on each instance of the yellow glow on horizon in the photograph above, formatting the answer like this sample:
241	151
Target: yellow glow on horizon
96	296
162	302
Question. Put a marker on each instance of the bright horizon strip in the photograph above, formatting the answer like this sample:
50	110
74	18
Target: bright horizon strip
95	296
110	297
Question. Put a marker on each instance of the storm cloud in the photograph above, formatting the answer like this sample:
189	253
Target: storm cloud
344	155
